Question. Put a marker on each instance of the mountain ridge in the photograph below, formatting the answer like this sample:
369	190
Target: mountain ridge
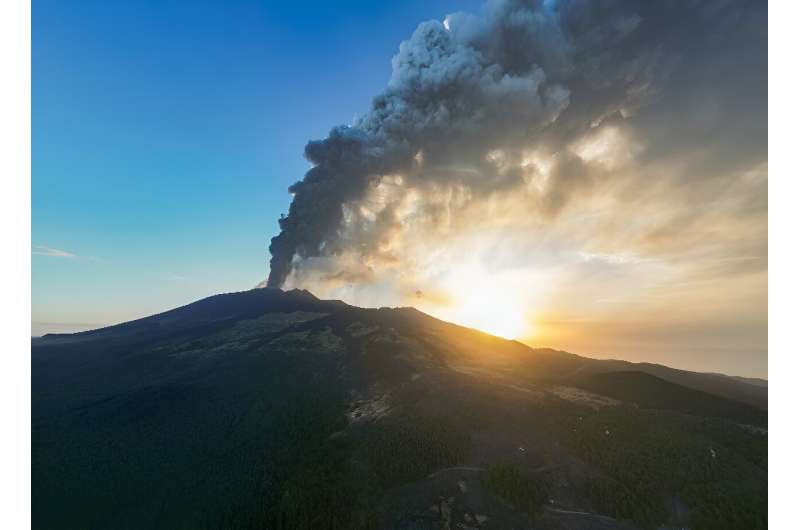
279	410
216	308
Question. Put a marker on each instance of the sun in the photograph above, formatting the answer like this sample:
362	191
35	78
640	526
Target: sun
492	311
494	303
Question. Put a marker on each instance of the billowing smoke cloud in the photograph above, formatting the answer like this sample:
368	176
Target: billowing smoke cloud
519	111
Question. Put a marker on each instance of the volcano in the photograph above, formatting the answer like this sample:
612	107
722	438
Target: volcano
275	409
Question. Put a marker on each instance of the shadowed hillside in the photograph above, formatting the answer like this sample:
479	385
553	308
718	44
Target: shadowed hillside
272	409
651	392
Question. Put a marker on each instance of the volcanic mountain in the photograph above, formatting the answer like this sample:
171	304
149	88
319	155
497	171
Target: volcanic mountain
274	409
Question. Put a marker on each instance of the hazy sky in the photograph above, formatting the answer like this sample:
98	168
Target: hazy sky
594	182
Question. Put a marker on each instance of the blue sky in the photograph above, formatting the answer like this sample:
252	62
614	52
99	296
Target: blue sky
165	134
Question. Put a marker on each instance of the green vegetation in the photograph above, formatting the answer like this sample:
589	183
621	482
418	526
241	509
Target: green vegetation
647	460
525	493
144	438
612	497
406	448
316	490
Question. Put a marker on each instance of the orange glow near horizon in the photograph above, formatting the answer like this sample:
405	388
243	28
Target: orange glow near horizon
498	304
493	313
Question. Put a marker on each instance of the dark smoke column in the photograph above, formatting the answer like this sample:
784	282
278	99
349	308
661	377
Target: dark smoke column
447	90
278	264
344	164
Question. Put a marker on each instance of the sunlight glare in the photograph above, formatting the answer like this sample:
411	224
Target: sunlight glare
493	303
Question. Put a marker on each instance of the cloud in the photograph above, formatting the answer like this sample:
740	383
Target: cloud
555	103
573	151
41	250
611	259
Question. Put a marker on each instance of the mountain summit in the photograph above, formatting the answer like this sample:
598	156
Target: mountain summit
275	409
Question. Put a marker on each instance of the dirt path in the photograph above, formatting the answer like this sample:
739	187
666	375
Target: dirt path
583	514
458	468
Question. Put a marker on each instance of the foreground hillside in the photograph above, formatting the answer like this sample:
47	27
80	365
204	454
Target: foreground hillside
272	409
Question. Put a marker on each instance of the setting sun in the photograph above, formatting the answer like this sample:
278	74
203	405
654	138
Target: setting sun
497	303
494	312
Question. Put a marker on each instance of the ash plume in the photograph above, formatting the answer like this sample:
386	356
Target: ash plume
470	97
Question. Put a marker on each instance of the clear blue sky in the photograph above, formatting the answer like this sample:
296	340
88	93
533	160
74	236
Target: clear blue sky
165	134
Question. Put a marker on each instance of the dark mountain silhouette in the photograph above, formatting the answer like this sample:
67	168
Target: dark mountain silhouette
747	390
273	409
204	315
652	392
